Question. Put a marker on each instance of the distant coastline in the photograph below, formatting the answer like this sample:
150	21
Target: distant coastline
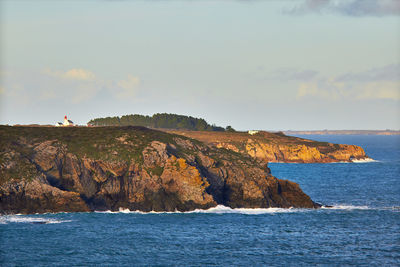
344	132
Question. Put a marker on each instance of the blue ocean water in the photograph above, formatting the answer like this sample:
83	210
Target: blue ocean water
362	229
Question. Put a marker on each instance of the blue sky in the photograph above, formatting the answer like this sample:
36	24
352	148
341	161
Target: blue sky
273	65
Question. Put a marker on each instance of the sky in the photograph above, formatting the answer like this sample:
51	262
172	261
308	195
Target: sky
251	64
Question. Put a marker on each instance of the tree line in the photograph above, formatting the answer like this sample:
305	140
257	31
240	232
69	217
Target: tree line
160	120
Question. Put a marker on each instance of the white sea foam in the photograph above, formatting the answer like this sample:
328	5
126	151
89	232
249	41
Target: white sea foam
346	207
24	219
122	210
352	207
220	209
366	160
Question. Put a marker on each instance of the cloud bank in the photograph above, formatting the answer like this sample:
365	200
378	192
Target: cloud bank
293	74
127	88
73	74
74	86
376	83
355	8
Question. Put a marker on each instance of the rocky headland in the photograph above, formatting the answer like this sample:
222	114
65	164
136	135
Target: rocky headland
72	169
277	147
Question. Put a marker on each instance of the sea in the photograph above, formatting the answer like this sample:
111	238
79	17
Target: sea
361	229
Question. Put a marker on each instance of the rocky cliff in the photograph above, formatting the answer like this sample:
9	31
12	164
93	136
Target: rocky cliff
277	147
46	169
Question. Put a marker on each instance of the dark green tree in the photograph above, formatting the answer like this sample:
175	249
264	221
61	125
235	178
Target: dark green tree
229	129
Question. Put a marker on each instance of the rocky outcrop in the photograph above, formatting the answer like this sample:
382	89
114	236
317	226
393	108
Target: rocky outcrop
302	153
45	170
37	196
277	147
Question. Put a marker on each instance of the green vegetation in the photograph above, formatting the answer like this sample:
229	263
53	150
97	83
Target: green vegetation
105	143
157	170
160	120
229	129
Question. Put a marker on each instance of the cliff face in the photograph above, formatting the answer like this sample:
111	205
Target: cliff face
302	153
86	169
277	147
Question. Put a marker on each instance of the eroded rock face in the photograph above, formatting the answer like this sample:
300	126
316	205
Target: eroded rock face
37	196
277	147
178	174
302	153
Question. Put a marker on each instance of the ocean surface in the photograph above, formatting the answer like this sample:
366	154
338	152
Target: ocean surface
362	229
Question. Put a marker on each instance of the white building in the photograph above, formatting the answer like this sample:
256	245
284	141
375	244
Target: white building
252	132
67	122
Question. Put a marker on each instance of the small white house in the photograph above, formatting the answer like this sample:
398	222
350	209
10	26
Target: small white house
252	132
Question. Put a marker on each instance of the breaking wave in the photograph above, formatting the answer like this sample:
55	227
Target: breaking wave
366	160
347	207
24	219
220	209
352	207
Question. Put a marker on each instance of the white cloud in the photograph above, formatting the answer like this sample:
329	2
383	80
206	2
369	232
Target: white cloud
74	86
85	85
387	73
355	8
128	88
80	74
4	73
293	74
72	74
377	83
18	92
48	93
84	92
323	88
381	90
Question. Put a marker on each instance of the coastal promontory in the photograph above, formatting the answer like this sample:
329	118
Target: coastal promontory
54	169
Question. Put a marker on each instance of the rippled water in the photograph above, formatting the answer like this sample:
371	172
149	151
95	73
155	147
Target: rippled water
363	228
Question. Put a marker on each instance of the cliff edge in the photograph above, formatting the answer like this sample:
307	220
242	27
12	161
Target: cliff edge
46	169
